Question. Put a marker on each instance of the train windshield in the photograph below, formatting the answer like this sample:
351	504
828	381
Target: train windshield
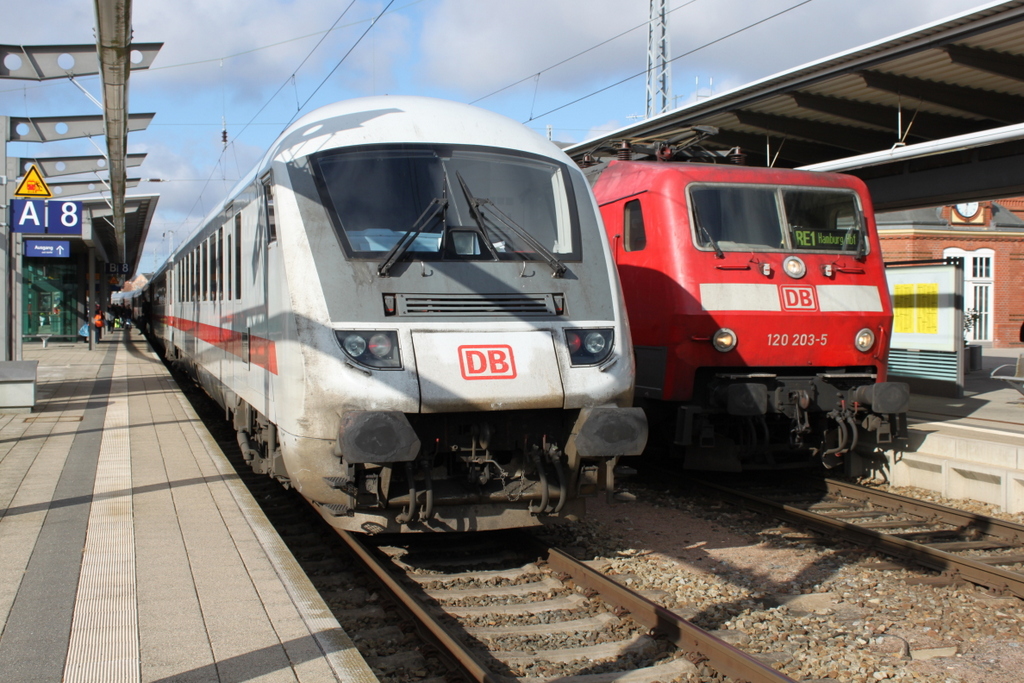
449	203
763	218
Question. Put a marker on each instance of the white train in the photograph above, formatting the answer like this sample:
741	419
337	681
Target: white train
411	315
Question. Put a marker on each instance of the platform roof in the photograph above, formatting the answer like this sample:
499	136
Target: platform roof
930	116
137	212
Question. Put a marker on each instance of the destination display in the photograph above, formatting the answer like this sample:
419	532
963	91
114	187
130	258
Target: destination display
805	238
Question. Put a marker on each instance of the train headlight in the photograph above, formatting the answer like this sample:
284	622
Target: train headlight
724	340
354	345
371	348
794	267
864	340
589	347
595	342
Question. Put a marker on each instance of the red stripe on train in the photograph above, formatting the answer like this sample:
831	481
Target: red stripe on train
262	352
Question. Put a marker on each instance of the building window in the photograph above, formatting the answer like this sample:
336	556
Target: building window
979	281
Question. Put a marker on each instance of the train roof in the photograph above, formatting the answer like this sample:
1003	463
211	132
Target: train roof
406	119
390	119
727	172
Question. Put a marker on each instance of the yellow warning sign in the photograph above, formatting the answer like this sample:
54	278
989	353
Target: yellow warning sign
33	185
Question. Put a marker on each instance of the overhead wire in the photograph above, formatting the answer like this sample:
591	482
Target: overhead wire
290	78
578	54
685	54
343	58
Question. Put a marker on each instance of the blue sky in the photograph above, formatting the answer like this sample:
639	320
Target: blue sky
249	67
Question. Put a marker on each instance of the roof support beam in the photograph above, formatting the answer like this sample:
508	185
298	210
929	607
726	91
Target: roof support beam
50	128
926	125
52	167
849	138
998	63
996	106
47	62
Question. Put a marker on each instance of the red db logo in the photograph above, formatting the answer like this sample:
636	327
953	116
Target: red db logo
487	362
798	298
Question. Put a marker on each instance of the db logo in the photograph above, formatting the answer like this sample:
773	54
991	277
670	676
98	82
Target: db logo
798	298
487	362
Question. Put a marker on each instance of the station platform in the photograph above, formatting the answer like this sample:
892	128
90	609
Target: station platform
968	447
130	550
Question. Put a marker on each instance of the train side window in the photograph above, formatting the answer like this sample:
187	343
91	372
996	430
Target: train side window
268	206
215	266
228	260
204	270
633	225
238	256
220	264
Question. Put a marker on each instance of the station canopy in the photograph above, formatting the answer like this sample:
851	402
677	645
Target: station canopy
927	117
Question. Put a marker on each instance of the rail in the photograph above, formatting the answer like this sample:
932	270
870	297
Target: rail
969	532
716	653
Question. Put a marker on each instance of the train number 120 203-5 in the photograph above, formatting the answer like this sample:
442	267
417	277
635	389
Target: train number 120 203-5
777	339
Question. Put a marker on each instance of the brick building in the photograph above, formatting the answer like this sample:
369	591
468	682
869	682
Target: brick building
990	237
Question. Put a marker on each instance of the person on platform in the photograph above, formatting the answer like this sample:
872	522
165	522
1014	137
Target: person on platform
97	323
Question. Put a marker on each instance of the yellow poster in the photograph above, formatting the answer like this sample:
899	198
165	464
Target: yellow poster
928	308
916	308
903	309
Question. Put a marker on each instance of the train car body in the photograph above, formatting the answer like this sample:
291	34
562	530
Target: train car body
759	310
411	315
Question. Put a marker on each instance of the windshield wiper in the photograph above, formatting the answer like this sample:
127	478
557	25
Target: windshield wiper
704	231
475	205
861	240
405	241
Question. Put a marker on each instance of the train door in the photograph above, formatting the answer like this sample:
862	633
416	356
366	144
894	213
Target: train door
236	317
217	301
642	287
257	327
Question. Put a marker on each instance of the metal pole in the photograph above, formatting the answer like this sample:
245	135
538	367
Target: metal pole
92	298
17	302
6	241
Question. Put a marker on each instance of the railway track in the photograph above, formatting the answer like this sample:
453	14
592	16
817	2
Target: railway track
612	633
962	546
498	625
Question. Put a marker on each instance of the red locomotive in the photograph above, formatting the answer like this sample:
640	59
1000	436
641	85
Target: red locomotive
759	310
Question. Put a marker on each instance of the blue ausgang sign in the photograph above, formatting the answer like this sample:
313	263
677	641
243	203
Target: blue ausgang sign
48	248
39	216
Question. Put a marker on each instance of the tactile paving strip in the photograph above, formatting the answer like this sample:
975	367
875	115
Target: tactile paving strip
105	631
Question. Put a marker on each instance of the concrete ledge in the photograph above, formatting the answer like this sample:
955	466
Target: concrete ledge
951	465
18	386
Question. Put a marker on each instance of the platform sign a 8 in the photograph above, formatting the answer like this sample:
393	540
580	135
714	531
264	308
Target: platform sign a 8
63	217
39	216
